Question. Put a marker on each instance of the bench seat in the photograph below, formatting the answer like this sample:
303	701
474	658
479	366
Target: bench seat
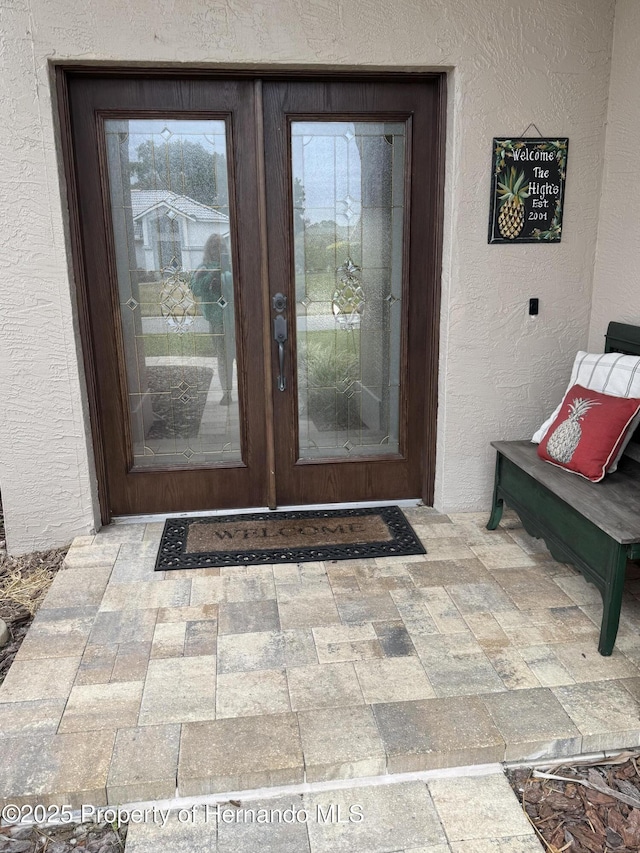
593	526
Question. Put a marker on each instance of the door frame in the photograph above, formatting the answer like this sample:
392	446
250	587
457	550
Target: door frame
65	71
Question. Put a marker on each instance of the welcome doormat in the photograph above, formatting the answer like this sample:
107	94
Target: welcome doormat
285	537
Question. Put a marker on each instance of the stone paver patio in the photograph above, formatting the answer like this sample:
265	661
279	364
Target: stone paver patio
463	815
133	685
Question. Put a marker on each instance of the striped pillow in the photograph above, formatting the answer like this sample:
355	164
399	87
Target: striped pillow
611	373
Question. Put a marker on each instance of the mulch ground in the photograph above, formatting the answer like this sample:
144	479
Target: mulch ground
584	808
88	837
24	582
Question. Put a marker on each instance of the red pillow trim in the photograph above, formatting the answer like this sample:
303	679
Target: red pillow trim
588	432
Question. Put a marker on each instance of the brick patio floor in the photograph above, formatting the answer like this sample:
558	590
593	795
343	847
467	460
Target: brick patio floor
462	815
133	685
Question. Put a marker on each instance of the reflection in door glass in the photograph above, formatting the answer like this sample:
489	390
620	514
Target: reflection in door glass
348	198
170	212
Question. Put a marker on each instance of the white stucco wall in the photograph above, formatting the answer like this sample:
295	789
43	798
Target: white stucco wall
515	62
616	284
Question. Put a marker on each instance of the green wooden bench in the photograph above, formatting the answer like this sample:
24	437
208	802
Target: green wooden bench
593	526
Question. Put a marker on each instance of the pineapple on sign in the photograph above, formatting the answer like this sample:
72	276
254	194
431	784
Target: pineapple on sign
512	194
564	440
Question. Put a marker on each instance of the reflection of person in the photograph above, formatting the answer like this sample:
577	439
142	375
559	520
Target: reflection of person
210	282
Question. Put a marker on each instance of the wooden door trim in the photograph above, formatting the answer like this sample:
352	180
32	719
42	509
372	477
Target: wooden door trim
434	295
81	292
270	72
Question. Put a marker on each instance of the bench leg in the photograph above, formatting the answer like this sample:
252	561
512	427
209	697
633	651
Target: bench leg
498	503
612	599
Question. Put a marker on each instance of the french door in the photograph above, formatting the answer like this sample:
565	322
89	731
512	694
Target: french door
257	271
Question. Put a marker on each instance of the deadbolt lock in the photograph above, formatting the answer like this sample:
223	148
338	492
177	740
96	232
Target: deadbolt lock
279	302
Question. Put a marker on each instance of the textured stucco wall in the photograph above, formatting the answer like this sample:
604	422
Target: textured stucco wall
616	282
514	62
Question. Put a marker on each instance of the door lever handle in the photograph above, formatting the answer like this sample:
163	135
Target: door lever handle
280	336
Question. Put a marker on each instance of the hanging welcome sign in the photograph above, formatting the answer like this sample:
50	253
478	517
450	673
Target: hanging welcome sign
527	190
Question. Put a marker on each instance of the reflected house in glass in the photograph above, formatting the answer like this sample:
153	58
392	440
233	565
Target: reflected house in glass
172	417
170	226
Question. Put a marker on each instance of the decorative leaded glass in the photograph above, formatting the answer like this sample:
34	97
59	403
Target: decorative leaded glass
170	213
349	206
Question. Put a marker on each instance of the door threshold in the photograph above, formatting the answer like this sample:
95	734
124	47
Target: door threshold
163	516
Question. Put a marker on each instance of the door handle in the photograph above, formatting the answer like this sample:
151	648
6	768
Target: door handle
280	336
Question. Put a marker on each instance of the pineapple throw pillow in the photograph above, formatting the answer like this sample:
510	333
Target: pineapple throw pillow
588	431
612	373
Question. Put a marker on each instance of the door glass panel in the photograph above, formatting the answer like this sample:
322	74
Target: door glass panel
170	212
348	212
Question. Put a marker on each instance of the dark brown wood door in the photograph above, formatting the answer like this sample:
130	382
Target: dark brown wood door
167	197
351	192
257	288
